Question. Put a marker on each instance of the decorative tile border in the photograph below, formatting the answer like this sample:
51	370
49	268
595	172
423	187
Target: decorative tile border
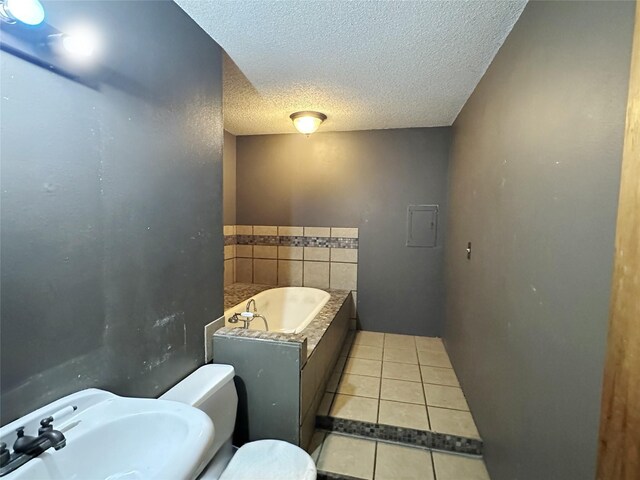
322	242
244	239
319	257
409	436
266	240
291	241
341	242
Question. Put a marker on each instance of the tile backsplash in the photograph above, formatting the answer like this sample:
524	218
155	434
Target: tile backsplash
321	257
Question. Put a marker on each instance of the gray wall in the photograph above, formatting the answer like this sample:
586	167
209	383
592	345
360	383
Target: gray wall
229	178
362	179
111	210
535	170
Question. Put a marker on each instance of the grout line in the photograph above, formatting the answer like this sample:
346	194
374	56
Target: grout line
329	279
450	408
433	465
321	444
375	459
372	398
384	336
441	384
303	269
326	434
424	394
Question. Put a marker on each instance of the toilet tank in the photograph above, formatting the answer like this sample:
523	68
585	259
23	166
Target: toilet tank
210	389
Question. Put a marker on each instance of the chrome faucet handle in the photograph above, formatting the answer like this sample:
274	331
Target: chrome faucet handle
22	441
45	425
238	317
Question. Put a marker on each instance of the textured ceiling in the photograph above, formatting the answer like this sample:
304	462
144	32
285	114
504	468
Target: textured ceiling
365	64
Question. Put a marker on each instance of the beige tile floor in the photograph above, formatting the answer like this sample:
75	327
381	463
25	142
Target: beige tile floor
398	380
371	460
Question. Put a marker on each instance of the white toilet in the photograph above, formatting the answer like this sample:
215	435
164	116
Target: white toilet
211	389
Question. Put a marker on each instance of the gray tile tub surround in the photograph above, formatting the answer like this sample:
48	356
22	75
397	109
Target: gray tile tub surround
237	332
298	364
239	292
319	368
267	379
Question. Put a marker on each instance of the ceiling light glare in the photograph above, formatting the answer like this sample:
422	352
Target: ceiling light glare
29	12
80	44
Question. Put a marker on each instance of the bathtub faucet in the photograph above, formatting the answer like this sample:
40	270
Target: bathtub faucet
255	307
237	317
246	318
266	325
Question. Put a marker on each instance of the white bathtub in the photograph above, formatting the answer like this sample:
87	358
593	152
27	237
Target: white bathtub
287	309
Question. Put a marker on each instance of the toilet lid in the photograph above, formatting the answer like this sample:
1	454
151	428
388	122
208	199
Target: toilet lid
270	460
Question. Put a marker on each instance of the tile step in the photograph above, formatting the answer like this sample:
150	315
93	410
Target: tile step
402	435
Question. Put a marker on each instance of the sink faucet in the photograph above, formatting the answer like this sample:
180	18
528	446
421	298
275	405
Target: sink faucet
27	447
47	438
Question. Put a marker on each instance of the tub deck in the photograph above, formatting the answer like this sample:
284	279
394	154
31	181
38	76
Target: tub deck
236	293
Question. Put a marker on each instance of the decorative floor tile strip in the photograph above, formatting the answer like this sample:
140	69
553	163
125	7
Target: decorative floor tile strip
409	436
230	240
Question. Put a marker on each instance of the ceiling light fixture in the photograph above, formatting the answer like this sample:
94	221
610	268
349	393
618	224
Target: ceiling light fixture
307	122
29	12
78	45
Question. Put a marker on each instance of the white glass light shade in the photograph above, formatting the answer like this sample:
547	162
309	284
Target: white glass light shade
307	122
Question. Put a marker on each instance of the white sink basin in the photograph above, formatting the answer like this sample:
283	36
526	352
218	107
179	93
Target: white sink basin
112	437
